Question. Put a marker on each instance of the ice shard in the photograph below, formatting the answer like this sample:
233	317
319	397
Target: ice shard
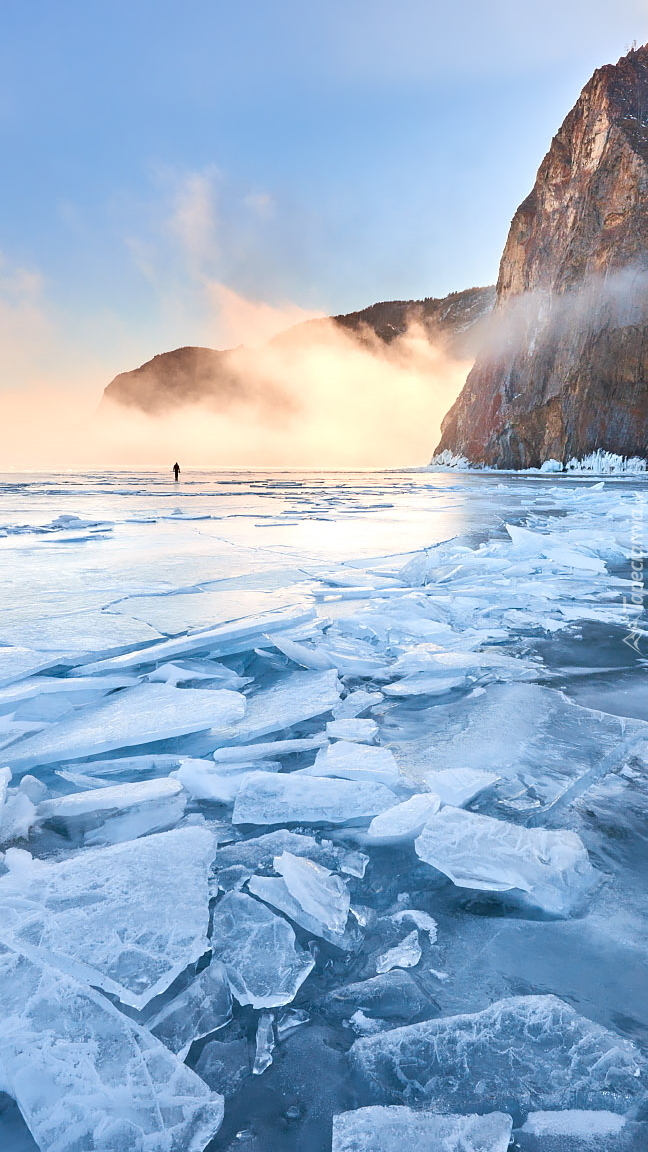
320	892
404	821
203	1007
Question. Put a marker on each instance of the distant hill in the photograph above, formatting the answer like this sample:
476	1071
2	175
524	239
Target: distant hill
194	375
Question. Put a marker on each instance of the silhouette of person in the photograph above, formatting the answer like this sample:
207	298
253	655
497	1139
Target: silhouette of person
176	470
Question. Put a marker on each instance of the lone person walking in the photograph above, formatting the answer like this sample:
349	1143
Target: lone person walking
176	470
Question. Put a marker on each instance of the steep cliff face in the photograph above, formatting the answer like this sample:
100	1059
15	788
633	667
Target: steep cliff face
565	368
221	379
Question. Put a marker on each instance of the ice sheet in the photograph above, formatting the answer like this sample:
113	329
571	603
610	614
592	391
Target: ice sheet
551	869
135	716
112	916
391	1129
85	1076
522	1054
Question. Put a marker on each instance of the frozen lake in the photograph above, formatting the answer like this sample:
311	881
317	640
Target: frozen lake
325	793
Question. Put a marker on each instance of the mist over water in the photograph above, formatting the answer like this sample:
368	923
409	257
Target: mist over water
325	399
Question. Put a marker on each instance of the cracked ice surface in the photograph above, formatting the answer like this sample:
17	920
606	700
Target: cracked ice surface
85	1076
391	680
112	916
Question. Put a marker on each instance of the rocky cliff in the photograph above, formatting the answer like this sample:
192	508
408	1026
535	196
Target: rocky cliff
565	369
203	375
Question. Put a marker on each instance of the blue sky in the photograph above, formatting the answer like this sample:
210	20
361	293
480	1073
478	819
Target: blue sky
319	154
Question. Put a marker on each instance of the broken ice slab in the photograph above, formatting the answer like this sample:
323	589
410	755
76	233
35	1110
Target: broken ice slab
161	763
264	965
297	697
523	1053
84	1076
288	1020
312	658
458	786
138	715
391	1129
404	821
128	918
406	954
118	812
552	548
546	749
549	870
356	703
320	892
424	684
350	761
17	809
219	783
269	749
203	1007
222	640
297	799
273	890
17	663
79	689
265	1043
391	996
361	731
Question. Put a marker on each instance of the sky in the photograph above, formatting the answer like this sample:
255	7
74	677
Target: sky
201	172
